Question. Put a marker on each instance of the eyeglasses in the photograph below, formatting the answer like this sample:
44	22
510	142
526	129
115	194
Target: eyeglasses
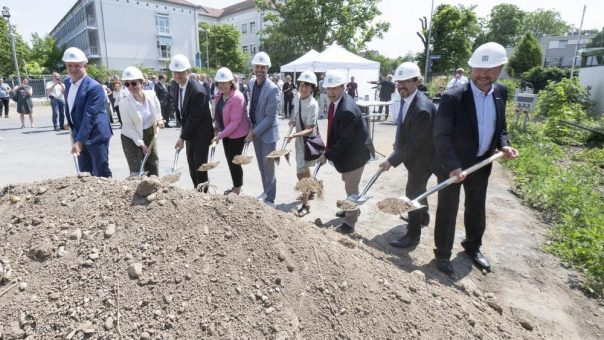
128	84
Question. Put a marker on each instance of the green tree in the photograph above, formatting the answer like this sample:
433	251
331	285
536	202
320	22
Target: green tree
296	26
224	47
46	53
504	24
6	58
597	41
453	30
527	55
540	76
544	22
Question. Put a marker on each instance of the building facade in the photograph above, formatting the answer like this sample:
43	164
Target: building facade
121	33
559	51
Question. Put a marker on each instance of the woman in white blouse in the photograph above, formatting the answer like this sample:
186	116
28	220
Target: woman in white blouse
141	117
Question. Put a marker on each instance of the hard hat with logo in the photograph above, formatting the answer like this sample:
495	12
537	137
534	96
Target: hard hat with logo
406	70
223	75
132	73
179	63
261	58
488	55
74	55
334	78
308	77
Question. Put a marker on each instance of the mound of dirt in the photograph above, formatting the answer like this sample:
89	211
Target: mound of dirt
90	258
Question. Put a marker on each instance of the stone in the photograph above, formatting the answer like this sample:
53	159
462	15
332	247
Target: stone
419	275
76	234
109	230
23	286
135	270
495	306
526	324
108	325
148	186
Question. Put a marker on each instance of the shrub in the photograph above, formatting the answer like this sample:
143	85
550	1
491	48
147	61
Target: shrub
541	76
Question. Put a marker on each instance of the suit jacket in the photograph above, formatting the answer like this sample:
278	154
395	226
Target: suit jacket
386	90
348	138
456	129
88	118
132	122
414	147
196	118
266	128
162	93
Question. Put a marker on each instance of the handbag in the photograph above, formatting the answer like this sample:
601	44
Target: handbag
313	145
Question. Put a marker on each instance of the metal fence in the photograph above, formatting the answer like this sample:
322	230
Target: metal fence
38	84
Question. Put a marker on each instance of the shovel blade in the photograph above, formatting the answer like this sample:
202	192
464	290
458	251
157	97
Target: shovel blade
358	199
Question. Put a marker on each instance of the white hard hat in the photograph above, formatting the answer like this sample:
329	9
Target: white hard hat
223	75
488	55
261	58
74	55
406	70
308	77
132	73
179	63
334	78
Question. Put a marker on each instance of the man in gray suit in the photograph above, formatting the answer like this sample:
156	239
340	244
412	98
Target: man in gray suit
264	101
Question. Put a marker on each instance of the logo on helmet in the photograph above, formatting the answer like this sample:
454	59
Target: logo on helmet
485	58
72	56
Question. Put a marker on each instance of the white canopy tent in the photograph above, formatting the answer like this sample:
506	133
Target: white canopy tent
336	57
295	66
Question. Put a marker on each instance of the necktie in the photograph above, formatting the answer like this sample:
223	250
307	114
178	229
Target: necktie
180	100
399	125
329	120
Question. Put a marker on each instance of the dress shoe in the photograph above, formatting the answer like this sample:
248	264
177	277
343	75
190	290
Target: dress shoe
481	261
405	242
345	229
340	214
445	266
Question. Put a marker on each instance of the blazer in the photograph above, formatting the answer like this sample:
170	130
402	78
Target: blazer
196	118
162	93
414	147
132	122
456	129
88	118
266	128
348	138
234	116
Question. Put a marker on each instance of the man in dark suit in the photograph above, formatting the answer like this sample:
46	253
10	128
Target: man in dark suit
163	95
348	142
412	146
469	126
192	105
386	91
86	116
264	100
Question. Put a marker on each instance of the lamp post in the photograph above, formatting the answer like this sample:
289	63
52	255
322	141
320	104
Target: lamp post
428	48
207	30
6	14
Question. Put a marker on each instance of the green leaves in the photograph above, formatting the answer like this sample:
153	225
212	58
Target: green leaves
527	54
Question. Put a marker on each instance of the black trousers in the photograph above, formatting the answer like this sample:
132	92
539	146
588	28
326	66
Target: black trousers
233	147
165	111
475	190
288	105
382	106
416	185
5	102
197	154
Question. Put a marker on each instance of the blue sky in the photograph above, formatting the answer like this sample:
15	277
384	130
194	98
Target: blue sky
43	15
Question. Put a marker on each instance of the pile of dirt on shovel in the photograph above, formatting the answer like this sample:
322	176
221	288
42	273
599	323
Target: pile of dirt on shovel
88	258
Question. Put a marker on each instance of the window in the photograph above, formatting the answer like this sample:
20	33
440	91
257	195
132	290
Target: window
162	22
243	28
164	47
252	49
562	43
252	26
244	48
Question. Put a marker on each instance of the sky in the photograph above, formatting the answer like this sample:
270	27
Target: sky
42	16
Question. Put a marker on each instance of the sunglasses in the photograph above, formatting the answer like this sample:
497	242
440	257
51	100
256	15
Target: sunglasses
128	84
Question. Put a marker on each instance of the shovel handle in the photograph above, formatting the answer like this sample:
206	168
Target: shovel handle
286	140
76	163
452	180
316	170
176	153
371	182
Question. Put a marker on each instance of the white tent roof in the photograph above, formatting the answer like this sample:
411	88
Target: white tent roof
296	65
336	56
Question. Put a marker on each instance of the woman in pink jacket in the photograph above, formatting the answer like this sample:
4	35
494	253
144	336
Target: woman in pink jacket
231	123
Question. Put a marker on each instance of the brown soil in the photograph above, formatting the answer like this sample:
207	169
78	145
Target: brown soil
208	166
346	205
278	153
394	206
92	259
241	159
310	185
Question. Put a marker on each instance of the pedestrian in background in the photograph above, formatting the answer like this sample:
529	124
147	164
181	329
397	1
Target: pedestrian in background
231	123
288	97
352	89
25	106
385	95
163	95
323	99
5	92
56	90
141	114
459	80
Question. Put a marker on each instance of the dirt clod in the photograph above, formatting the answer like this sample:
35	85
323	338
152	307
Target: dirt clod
394	206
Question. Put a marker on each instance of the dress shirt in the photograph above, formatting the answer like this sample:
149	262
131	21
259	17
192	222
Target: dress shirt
486	117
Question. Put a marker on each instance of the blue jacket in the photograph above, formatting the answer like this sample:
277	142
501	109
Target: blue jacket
88	119
265	116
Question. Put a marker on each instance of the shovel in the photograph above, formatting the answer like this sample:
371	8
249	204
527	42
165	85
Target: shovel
282	152
210	164
243	158
77	165
397	206
173	176
351	202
